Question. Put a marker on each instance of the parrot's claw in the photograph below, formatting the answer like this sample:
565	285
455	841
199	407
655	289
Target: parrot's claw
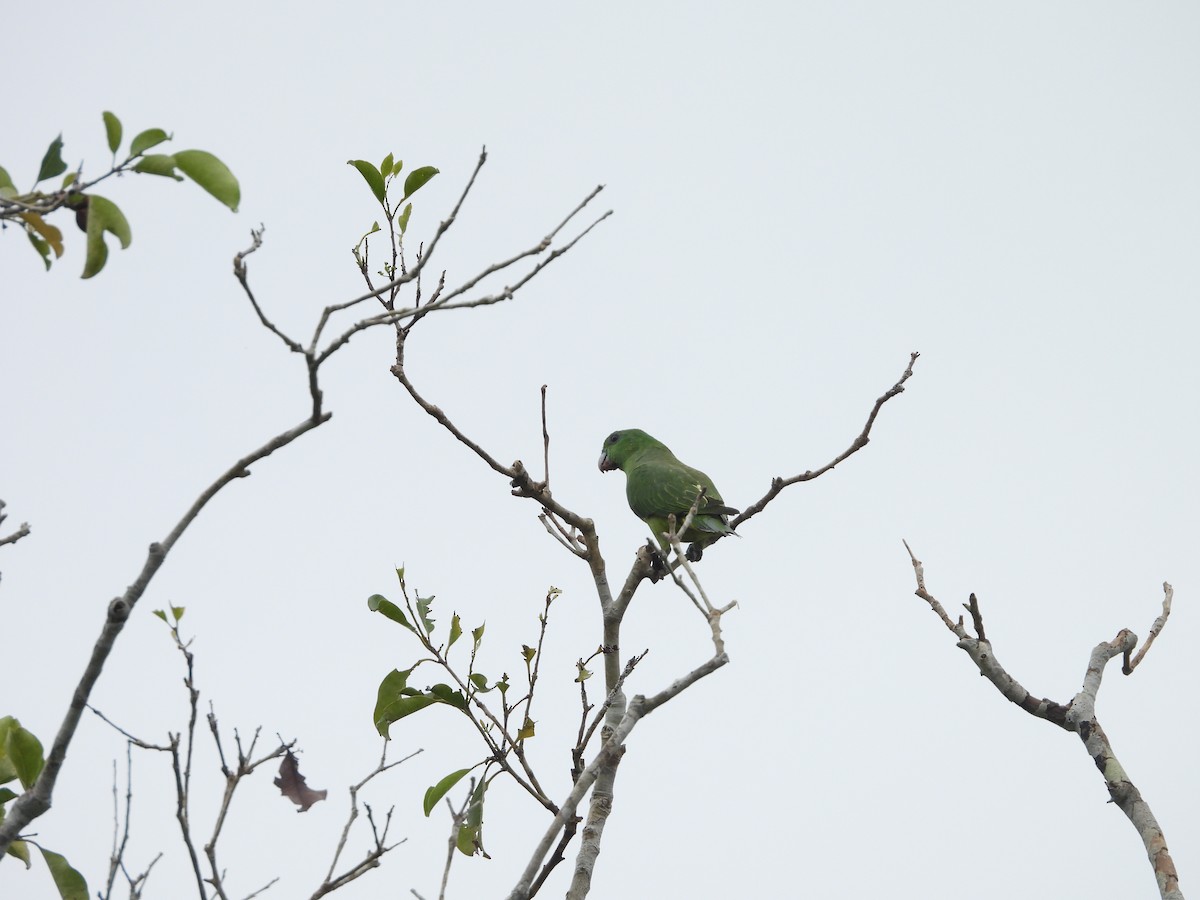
658	564
694	552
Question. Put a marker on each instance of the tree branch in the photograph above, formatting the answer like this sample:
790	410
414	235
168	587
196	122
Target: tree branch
864	437
1078	716
21	532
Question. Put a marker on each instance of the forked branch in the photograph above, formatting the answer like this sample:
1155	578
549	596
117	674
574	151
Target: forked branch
1078	716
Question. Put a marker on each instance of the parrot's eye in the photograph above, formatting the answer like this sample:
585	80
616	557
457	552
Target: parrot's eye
612	438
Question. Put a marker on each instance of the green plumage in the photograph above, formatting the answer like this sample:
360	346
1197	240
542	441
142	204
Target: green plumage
658	485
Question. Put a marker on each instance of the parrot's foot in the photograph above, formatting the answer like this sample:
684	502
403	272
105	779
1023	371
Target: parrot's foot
694	552
658	564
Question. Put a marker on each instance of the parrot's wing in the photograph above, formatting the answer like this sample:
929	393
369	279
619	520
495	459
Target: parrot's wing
661	488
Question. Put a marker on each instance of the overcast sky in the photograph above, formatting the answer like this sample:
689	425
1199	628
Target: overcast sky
803	194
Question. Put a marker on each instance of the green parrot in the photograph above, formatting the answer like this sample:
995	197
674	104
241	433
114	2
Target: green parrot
657	484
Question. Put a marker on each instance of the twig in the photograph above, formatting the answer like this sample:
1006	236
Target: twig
586	737
559	854
136	741
545	442
1168	596
457	817
116	858
21	532
242	274
371	860
864	437
976	616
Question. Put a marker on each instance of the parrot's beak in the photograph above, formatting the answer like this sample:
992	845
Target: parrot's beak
606	465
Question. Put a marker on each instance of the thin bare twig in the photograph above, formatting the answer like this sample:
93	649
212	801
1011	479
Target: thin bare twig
1168	596
864	437
372	858
22	531
242	274
545	442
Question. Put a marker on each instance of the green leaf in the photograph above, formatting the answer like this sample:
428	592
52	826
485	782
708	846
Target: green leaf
20	850
480	681
158	164
41	247
371	175
400	575
477	636
162	615
402	221
455	631
385	167
49	233
112	130
151	137
24	751
527	729
470	832
374	228
211	174
8	771
467	835
584	674
443	693
103	215
70	883
6	180
396	700
52	162
178	611
5	796
528	652
417	179
439	790
423	604
381	604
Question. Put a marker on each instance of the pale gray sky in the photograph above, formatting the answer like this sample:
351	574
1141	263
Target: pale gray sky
803	194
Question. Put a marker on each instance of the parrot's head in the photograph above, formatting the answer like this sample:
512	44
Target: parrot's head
620	446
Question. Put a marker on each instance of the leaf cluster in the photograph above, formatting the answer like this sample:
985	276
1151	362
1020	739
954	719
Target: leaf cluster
22	759
397	214
96	215
397	698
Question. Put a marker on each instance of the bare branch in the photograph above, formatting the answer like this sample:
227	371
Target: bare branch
136	741
371	860
924	594
35	801
1078	716
605	762
864	437
241	273
613	696
21	532
545	443
1168	596
508	292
